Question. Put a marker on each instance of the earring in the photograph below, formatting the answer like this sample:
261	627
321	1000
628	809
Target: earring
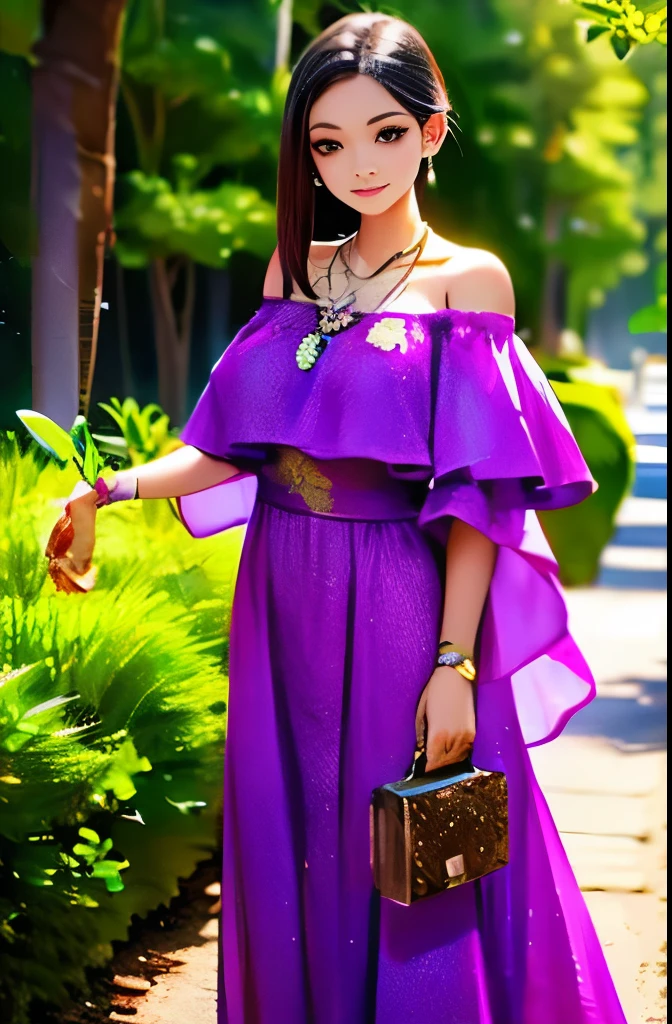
431	176
316	181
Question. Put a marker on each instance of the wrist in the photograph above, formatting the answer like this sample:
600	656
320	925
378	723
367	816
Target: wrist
450	655
123	486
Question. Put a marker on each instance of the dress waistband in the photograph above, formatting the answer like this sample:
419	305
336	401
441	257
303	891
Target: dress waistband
337	488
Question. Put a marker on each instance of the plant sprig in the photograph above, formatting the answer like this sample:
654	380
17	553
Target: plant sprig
628	24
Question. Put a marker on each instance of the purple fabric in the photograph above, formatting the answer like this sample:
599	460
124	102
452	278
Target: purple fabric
334	629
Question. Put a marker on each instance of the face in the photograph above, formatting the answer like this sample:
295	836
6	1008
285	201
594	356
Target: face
366	147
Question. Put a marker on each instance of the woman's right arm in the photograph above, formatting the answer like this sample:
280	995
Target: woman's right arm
183	471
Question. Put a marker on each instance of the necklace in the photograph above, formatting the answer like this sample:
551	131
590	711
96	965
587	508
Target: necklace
338	313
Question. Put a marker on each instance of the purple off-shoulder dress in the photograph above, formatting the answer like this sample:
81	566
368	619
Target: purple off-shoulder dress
351	475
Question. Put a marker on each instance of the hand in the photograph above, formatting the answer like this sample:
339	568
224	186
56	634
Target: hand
82	511
447	702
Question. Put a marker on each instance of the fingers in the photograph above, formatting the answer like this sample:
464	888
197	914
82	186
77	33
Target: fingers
444	748
420	720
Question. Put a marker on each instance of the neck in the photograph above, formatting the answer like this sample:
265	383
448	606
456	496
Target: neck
380	236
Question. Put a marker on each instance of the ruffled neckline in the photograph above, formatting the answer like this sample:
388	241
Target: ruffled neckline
450	313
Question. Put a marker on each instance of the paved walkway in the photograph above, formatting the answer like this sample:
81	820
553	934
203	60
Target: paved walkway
604	777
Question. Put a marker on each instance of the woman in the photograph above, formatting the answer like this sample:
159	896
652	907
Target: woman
374	366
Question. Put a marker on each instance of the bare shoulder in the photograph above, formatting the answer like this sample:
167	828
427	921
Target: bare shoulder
273	279
474	279
478	280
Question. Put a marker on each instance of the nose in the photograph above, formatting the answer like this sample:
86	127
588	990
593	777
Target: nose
370	172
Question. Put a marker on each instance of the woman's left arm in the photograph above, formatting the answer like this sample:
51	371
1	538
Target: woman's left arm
476	280
447	701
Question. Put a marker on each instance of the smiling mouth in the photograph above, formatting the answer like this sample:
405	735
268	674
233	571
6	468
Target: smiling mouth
368	191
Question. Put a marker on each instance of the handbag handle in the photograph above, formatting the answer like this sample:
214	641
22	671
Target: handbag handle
419	767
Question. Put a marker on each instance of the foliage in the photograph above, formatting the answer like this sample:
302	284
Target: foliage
202	97
146	433
111	727
579	534
156	221
653	317
64	447
626	24
20	22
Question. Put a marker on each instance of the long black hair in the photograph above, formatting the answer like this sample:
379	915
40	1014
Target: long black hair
395	55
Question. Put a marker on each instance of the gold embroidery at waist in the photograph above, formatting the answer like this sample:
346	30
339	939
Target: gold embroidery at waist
299	473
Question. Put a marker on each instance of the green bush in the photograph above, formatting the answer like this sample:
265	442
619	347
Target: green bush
579	534
112	720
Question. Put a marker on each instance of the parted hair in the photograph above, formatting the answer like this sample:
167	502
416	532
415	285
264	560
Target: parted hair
395	55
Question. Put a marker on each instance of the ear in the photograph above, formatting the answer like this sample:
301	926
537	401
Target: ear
433	133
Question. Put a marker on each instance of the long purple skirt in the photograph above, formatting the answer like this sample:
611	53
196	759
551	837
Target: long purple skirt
334	630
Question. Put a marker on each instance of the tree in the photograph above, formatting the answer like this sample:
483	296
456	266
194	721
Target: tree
204	102
74	80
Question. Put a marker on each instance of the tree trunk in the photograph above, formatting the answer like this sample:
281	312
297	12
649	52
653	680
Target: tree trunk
74	99
173	285
554	302
283	35
218	302
127	378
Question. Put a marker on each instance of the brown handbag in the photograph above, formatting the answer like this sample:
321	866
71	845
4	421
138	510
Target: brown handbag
432	831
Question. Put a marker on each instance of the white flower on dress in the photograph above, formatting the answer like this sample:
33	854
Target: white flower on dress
417	333
388	333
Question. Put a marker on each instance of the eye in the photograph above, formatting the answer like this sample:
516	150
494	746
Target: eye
326	146
390	134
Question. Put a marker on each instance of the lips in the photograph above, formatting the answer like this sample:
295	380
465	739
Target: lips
368	191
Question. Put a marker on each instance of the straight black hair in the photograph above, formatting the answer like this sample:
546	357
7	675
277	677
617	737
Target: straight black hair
395	55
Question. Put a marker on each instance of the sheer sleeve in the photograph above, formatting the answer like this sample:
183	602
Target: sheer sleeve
501	449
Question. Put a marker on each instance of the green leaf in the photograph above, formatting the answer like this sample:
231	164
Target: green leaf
116	415
595	31
56	441
87	853
649	319
621	45
112	445
134	430
108	868
601	12
85	444
653	7
90	835
126	764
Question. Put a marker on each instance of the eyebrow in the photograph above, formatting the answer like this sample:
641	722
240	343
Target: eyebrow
373	120
390	113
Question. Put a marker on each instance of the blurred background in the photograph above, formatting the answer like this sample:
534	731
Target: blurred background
138	150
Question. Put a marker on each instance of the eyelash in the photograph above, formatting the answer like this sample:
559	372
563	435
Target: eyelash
398	133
